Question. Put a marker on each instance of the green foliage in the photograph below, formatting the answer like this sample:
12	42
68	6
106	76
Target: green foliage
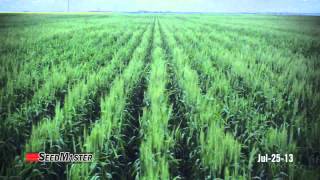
157	139
113	106
165	96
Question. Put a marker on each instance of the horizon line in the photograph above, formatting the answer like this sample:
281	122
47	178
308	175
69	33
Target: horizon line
164	11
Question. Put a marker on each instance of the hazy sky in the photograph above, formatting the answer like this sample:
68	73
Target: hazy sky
298	6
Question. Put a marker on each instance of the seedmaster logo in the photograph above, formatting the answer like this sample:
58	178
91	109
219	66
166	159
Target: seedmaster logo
61	157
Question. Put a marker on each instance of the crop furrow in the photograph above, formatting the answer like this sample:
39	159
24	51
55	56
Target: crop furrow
155	156
244	116
129	161
17	126
184	148
28	81
78	103
205	122
104	136
69	121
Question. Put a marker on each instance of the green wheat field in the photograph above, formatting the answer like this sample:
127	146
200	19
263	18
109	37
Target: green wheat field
160	96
